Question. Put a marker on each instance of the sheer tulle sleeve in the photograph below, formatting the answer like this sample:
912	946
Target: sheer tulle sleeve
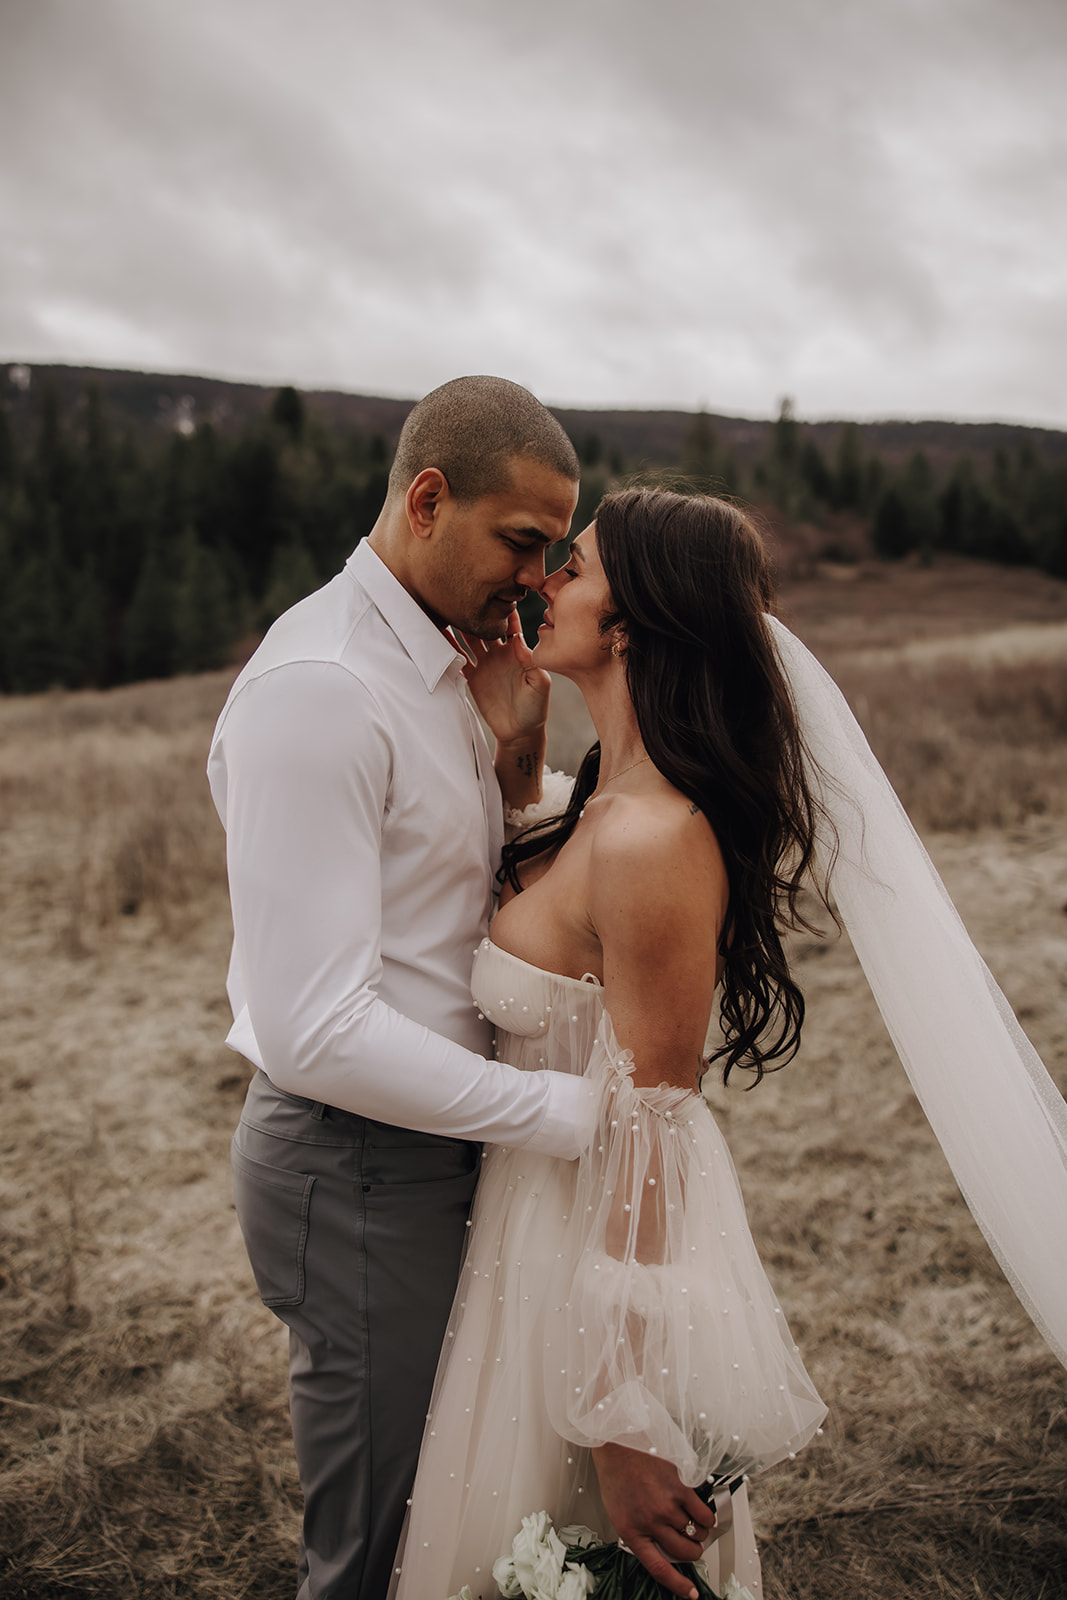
663	1332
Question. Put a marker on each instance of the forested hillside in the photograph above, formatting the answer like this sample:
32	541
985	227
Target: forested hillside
150	526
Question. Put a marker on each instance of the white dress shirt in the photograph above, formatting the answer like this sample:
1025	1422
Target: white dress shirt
363	825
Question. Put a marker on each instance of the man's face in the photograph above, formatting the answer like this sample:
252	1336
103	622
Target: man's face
482	558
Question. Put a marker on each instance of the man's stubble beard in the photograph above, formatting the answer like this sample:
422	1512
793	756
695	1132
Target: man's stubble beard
481	624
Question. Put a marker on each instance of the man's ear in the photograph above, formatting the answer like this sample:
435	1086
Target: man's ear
426	495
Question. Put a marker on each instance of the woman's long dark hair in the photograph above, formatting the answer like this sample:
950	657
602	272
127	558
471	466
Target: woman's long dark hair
690	585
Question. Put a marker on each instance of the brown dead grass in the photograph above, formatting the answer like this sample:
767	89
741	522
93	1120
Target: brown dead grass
968	745
943	1469
144	1441
105	811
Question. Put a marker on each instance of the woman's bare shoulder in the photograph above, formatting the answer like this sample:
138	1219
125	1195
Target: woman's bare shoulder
659	896
649	841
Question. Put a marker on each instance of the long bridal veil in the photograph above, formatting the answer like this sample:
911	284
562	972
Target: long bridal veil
997	1114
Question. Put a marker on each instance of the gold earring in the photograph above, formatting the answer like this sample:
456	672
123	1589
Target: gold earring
617	649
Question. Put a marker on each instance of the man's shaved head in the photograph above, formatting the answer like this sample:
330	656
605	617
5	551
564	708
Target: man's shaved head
472	429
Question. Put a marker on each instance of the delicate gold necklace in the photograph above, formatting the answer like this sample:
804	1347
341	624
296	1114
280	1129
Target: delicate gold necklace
624	771
601	787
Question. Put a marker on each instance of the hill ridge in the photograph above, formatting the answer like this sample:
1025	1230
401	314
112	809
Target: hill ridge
154	403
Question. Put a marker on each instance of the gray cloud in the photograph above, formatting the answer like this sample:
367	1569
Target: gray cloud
619	201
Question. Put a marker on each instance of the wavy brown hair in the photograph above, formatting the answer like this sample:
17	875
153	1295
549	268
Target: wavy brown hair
690	587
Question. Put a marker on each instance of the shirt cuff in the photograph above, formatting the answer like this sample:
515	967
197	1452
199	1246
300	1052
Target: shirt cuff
570	1118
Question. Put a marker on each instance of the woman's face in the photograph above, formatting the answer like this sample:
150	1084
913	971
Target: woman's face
569	640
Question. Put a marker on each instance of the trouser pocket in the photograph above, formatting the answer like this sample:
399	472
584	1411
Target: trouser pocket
272	1209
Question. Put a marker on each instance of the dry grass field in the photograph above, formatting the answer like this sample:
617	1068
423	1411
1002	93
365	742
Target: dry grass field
144	1432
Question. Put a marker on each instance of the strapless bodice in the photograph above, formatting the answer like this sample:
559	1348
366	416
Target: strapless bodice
542	1019
526	1003
521	998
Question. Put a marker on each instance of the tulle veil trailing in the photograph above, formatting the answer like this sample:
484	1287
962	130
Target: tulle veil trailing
997	1114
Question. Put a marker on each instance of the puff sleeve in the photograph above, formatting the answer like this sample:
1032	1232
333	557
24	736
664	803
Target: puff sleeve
663	1332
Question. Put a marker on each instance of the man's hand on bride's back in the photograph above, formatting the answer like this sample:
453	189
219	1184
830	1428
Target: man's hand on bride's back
650	1507
510	692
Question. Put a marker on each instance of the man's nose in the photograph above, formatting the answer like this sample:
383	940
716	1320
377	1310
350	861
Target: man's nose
531	573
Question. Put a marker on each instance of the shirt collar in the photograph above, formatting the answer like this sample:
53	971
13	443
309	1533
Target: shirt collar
431	650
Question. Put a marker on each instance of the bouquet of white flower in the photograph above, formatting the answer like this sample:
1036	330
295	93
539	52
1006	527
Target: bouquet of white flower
546	1565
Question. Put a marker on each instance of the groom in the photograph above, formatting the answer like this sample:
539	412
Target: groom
363	826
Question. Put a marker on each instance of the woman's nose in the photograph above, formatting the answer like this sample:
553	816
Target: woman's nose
550	585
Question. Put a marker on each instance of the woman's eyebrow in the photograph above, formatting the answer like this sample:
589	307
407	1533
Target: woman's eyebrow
576	550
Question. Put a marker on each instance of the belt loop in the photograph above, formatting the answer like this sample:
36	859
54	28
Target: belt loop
318	1111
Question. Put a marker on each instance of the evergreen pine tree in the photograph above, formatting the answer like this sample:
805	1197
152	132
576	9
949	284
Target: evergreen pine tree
700	452
40	644
89	631
251	519
814	472
892	534
592	451
848	486
372	499
779	471
7	578
923	520
786	445
203	623
8	454
54	478
148	628
287	411
97	510
292	576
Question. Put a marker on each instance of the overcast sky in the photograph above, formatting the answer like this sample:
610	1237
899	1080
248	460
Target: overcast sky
859	203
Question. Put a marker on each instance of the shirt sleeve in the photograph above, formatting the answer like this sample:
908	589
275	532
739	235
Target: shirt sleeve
300	770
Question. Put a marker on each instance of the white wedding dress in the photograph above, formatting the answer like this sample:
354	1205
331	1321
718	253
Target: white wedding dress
617	1298
620	1297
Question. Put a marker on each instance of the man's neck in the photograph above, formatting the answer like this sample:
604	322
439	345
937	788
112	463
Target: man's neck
388	541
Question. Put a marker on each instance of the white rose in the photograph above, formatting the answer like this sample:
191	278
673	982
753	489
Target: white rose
464	1593
578	1533
505	1579
575	1583
526	1548
548	1566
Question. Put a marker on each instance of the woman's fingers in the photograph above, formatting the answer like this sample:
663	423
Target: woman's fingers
655	1562
651	1510
475	648
684	1540
700	1515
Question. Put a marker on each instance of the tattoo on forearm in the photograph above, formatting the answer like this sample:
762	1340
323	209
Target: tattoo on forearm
527	766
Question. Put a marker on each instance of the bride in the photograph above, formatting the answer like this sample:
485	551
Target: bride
614	1341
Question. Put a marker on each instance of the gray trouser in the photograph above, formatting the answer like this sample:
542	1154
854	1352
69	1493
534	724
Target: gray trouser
355	1231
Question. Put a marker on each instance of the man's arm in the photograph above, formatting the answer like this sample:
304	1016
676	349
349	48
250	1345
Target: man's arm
300	771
